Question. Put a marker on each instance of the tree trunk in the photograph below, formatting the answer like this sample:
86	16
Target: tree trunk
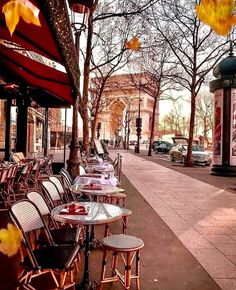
74	160
189	161
152	125
84	109
94	128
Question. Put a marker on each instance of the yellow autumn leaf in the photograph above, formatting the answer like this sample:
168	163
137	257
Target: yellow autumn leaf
218	14
133	44
15	9
10	240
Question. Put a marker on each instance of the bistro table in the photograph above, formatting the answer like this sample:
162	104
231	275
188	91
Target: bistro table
95	191
101	168
97	213
96	178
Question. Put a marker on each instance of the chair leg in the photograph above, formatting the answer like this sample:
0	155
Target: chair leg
103	272
127	277
62	278
138	269
114	263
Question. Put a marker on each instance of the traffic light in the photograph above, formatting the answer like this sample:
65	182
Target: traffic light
138	122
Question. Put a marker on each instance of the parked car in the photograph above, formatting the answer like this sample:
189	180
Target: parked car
163	147
179	153
155	143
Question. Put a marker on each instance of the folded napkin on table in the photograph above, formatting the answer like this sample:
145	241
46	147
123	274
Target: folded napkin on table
92	186
74	210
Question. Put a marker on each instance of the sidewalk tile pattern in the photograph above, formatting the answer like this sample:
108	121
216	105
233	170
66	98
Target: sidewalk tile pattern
202	216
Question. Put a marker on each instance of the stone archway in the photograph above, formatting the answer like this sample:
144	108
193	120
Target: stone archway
116	110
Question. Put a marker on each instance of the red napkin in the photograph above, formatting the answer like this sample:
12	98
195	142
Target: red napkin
92	186
74	210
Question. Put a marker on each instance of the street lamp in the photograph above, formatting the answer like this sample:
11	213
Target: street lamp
80	8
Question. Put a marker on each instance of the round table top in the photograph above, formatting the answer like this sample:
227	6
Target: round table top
98	213
105	167
104	189
123	243
92	178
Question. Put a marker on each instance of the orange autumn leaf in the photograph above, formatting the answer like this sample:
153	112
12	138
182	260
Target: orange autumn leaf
15	9
218	14
133	44
10	240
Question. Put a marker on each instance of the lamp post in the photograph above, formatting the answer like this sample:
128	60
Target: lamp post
138	125
78	25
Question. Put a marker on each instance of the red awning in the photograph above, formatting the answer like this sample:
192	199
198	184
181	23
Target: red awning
32	37
34	74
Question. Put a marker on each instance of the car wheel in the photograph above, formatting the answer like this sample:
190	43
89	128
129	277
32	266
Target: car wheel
172	159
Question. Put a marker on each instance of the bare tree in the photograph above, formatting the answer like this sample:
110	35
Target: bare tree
109	55
173	123
196	50
205	113
110	9
154	62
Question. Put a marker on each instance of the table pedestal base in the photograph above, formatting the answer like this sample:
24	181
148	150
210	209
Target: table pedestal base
92	285
86	284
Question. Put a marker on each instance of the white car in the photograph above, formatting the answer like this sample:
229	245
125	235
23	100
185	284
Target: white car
179	153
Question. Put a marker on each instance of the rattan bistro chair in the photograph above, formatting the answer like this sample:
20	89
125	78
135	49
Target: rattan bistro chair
60	187
52	194
3	186
55	259
60	235
46	165
66	177
128	248
67	182
23	178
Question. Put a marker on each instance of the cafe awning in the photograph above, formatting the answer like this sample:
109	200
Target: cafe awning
46	41
32	37
25	71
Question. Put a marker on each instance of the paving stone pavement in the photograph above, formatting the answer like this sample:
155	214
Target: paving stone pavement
201	215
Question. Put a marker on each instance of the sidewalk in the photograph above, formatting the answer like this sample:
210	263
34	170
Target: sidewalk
202	216
188	227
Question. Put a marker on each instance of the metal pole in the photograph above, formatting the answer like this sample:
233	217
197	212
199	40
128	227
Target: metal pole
74	160
138	125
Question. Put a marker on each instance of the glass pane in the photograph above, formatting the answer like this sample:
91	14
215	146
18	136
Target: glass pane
13	129
35	131
59	129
